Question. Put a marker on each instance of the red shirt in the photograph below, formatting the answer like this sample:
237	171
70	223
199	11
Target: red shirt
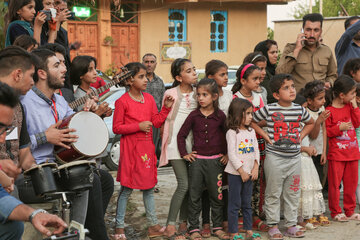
99	83
343	145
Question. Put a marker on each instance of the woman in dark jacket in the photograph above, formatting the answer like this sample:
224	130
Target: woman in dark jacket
269	49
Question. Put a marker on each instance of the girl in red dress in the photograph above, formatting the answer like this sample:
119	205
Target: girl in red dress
135	114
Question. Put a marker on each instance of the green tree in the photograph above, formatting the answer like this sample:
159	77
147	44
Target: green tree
270	33
3	10
331	8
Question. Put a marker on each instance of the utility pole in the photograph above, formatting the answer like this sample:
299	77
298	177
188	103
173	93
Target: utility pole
321	6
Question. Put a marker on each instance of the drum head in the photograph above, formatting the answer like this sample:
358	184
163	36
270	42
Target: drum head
53	165
75	163
92	132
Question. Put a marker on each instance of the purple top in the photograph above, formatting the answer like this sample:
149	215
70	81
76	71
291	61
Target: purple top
209	133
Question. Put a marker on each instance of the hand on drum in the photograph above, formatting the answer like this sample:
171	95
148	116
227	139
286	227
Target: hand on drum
43	220
145	126
60	136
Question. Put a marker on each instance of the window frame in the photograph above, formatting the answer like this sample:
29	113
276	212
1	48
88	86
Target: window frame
217	34
184	23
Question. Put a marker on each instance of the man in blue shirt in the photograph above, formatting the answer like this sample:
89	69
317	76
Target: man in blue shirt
12	211
348	46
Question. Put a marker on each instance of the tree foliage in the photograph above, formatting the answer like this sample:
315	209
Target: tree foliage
3	10
331	8
270	33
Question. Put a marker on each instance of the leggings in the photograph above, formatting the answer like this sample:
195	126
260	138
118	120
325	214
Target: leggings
180	197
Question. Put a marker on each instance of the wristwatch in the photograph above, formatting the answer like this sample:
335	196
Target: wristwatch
33	214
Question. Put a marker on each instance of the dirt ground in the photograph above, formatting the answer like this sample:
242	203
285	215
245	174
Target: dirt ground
136	225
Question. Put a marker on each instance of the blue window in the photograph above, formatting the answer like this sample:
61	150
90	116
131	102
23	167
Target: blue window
177	25
218	31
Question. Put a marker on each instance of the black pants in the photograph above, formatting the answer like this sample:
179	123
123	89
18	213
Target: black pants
205	208
205	173
99	197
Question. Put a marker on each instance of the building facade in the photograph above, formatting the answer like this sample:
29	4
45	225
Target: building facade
120	31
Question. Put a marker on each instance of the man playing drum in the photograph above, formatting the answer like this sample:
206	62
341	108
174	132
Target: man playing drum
12	211
103	186
44	112
16	70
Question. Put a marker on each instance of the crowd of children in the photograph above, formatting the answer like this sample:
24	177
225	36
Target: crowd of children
216	141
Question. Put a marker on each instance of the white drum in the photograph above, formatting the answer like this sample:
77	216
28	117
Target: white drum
93	137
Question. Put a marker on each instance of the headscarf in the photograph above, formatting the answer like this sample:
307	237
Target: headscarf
261	47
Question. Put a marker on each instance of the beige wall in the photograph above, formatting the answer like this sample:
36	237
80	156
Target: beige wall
246	27
286	31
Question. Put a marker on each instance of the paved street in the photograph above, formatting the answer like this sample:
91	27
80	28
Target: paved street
136	223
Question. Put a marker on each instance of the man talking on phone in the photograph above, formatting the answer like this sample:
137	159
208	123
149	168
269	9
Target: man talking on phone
307	59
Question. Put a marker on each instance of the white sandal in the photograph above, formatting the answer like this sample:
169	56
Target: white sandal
310	226
355	217
341	218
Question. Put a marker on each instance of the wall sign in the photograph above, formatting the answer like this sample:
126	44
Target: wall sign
169	51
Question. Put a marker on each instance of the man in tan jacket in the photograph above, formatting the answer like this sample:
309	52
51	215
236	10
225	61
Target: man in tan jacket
307	59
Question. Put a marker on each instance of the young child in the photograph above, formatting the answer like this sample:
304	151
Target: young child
357	130
26	42
343	153
248	81
20	16
217	70
259	60
207	156
312	202
242	167
135	113
83	73
184	74
282	165
352	69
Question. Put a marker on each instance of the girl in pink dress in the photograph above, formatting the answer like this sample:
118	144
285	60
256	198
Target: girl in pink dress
135	114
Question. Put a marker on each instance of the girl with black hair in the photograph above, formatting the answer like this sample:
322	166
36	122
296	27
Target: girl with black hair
343	153
184	75
21	15
207	157
134	115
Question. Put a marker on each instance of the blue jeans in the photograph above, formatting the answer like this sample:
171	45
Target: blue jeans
11	230
149	203
239	197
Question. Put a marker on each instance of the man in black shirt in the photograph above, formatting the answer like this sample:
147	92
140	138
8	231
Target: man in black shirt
16	70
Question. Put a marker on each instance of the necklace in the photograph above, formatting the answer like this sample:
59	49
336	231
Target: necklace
245	95
142	100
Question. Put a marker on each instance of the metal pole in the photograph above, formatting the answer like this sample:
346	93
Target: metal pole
321	6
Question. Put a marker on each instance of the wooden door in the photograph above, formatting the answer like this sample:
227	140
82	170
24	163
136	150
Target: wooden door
87	34
126	43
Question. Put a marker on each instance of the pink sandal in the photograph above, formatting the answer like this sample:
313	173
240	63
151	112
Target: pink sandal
292	232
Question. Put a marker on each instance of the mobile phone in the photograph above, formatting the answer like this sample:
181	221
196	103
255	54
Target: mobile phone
303	38
72	16
47	13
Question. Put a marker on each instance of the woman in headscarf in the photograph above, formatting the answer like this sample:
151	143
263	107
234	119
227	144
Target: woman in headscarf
269	49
